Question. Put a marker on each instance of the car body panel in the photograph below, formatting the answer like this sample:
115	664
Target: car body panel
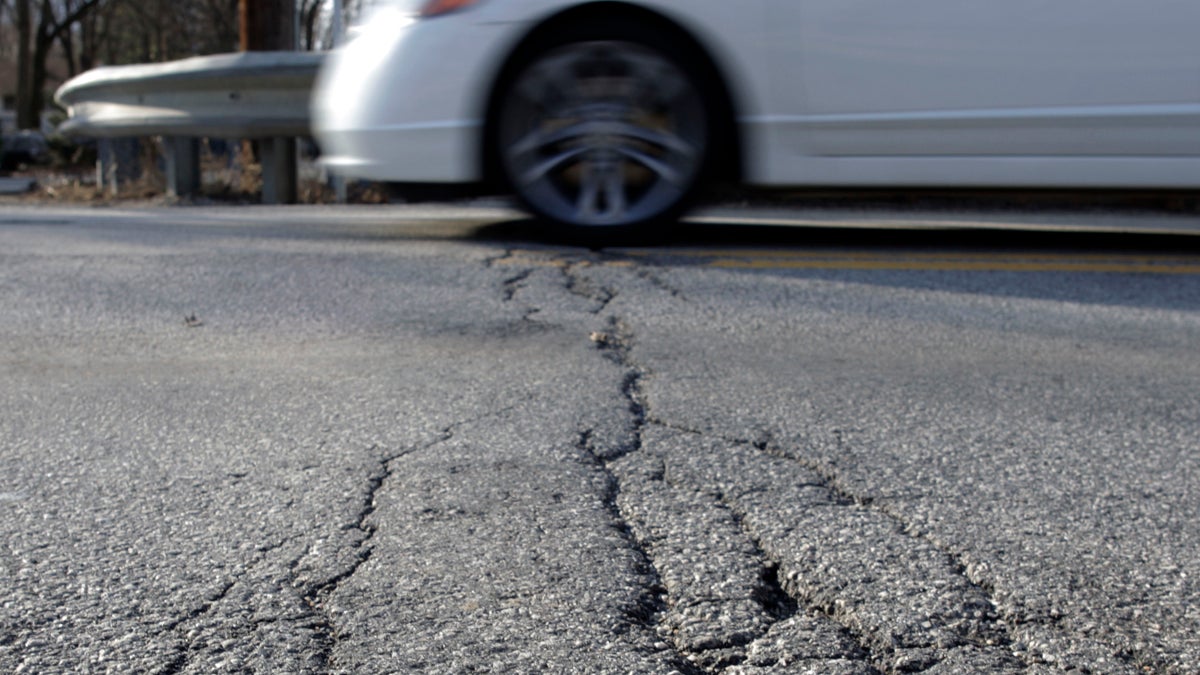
1027	93
371	124
982	78
414	123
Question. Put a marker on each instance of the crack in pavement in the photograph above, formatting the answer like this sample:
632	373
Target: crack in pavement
192	642
662	285
954	622
582	287
203	608
880	599
1021	633
315	594
515	283
767	444
654	593
1027	632
179	663
907	601
716	599
723	595
709	614
615	345
266	593
726	606
712	617
821	577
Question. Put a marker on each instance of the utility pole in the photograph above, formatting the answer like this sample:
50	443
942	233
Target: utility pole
270	25
267	25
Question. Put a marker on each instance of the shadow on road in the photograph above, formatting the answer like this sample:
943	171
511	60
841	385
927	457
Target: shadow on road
733	235
1134	221
1084	285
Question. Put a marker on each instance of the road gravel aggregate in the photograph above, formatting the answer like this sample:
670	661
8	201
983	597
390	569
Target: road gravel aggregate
334	441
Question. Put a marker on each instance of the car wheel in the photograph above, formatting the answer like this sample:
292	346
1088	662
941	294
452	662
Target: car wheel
604	134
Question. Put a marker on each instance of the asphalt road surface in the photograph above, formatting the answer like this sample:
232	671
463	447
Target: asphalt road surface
418	440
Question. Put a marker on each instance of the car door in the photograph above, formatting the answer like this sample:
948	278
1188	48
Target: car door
988	77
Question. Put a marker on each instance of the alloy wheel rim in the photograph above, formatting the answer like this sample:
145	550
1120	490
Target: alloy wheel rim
603	133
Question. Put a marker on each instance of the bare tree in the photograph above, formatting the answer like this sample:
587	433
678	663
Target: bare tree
35	40
310	18
87	33
146	31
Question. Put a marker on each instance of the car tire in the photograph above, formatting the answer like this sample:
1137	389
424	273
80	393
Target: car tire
605	131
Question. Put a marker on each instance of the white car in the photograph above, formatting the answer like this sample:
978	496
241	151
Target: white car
606	116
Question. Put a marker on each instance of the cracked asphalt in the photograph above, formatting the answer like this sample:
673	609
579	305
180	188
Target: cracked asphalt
279	440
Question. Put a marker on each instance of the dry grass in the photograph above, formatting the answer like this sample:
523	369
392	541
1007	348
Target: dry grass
234	178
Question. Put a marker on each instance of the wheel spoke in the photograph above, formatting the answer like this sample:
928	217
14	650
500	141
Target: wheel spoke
538	171
614	191
586	204
601	192
542	138
662	139
663	170
604	133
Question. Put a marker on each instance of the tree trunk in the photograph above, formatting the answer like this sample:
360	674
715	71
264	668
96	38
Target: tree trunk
87	43
26	115
32	51
310	14
43	39
37	79
67	40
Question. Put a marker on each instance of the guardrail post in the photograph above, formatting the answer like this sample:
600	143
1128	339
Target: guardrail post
182	156
200	96
116	161
279	171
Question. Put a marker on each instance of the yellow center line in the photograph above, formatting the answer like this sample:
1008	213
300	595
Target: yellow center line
909	255
934	224
748	259
965	265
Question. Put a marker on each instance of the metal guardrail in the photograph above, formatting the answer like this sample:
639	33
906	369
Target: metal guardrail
257	95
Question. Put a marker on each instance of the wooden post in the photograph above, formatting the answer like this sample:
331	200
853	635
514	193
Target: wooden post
267	25
270	25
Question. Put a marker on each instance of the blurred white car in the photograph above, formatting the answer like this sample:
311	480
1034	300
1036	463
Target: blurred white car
605	116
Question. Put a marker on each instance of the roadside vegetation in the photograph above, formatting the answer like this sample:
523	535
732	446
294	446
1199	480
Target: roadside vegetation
44	43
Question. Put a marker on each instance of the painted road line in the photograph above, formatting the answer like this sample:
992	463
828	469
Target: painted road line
1016	261
739	253
1139	266
1113	224
873	261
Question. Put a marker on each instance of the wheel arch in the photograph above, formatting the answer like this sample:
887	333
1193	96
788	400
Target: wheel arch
728	159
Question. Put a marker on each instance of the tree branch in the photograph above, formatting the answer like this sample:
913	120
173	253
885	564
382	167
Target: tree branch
58	28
